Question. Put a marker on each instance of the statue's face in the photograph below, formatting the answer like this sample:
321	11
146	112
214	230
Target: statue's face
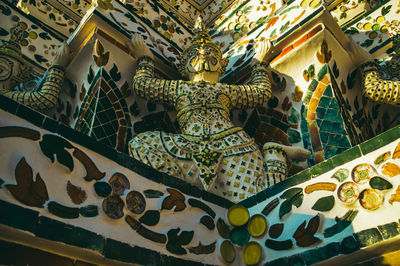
204	59
10	71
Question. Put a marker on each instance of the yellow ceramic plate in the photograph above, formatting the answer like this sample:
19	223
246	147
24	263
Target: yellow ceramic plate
238	215
252	253
257	225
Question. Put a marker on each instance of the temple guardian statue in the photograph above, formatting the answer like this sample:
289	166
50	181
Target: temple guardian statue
17	81
211	152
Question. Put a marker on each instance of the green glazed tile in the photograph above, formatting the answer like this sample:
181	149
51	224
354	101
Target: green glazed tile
299	178
57	231
389	230
18	217
123	252
249	202
380	140
368	237
321	168
346	156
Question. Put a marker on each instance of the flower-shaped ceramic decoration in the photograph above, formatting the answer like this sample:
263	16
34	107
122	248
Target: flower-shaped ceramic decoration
362	173
371	199
348	192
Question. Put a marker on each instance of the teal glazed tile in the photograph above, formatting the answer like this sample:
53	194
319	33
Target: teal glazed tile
50	124
368	237
325	101
123	252
389	230
321	168
167	260
346	156
8	104
30	115
210	197
279	262
292	181
18	217
320	254
249	202
261	196
57	231
296	260
349	245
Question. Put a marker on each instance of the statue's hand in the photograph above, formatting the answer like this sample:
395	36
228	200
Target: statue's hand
264	52
64	56
357	54
138	48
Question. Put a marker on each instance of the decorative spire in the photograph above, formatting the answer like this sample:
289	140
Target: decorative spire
199	25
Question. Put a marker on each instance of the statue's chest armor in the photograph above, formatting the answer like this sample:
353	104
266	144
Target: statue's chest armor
202	96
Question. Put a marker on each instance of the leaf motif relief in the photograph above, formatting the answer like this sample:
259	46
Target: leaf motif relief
175	199
114	73
203	249
77	194
175	241
293	196
92	172
324	56
305	235
341	223
27	191
324	204
54	145
99	56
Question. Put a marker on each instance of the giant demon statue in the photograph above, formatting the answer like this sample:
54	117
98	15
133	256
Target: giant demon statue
211	152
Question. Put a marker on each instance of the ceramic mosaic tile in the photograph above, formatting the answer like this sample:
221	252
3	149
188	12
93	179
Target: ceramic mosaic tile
269	21
54	18
39	46
373	30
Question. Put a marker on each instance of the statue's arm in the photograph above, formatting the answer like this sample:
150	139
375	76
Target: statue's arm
44	97
153	89
374	86
378	89
258	92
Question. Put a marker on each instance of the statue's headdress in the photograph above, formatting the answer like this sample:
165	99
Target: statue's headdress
201	38
11	48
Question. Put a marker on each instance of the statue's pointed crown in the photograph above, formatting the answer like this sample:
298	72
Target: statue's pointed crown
11	47
200	38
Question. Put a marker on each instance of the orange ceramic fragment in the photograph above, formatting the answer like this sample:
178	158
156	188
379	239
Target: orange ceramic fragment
395	196
390	169
271	22
298	17
320	186
396	153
